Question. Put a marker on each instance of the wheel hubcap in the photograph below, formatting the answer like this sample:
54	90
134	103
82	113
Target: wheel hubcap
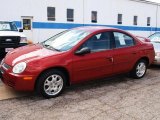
141	69
53	84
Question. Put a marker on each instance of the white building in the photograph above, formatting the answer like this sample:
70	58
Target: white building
44	18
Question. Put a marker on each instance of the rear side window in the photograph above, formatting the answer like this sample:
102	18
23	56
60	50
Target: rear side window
122	40
98	42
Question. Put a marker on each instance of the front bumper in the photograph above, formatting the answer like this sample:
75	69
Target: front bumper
16	81
157	60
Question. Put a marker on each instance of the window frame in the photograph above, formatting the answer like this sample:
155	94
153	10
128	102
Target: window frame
71	12
50	17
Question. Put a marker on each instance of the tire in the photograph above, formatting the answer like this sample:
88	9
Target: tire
139	69
51	83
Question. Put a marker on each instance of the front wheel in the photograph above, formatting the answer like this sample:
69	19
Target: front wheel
51	83
139	69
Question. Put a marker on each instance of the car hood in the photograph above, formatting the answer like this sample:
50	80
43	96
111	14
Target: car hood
156	46
11	33
29	53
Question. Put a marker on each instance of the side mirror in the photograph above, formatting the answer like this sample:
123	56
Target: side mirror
20	30
83	51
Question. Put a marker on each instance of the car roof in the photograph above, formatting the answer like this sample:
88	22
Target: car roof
95	28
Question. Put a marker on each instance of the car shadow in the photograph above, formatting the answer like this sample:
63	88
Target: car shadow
154	67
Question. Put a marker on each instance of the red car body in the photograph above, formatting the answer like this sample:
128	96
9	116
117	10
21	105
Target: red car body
78	68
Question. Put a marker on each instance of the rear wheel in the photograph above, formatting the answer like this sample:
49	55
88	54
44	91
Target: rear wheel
139	69
51	83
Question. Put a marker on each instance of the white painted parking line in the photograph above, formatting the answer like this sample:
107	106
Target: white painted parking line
7	93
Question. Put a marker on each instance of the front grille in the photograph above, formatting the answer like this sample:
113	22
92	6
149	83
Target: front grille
9	40
6	66
11	83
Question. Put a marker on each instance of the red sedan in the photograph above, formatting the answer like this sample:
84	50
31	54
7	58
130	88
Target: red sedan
73	56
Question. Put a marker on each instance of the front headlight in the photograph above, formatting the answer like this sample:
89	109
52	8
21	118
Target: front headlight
19	68
23	40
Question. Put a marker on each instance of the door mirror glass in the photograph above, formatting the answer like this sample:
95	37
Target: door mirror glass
83	51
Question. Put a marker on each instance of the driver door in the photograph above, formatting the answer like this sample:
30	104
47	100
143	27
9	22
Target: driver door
98	63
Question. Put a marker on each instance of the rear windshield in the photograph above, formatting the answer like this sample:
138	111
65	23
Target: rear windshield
8	26
155	37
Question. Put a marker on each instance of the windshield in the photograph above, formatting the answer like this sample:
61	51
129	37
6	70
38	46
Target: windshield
65	40
8	26
155	37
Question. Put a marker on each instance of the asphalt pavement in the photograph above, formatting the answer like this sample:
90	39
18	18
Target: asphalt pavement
119	98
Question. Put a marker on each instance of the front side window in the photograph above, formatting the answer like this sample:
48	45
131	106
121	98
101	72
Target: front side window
94	16
70	15
65	40
51	13
98	42
122	40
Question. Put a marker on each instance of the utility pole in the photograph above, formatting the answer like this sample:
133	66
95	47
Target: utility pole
157	17
83	12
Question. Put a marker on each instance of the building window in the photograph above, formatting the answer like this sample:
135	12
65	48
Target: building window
119	19
26	24
70	15
51	13
135	19
94	16
148	21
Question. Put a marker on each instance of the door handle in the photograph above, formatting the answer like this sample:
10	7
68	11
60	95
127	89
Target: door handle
110	59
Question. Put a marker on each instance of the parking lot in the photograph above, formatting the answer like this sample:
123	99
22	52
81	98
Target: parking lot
118	98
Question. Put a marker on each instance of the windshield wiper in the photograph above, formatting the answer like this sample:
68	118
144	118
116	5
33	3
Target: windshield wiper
50	47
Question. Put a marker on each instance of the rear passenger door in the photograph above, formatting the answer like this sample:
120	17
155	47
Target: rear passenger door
125	52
